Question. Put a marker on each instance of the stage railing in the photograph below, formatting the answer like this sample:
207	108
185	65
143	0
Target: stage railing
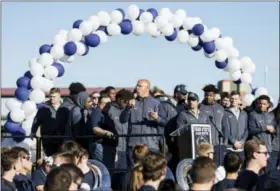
39	141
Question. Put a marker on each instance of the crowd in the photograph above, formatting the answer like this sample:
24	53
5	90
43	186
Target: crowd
250	136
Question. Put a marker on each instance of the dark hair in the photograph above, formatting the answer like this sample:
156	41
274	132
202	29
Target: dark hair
210	88
21	151
58	179
139	152
168	185
232	162
225	95
124	94
8	159
71	147
234	93
74	171
203	170
108	89
67	157
103	97
76	87
264	97
103	93
55	90
252	146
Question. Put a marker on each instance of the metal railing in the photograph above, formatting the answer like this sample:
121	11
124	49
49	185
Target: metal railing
39	141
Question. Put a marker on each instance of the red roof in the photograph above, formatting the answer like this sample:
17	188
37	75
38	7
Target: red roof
9	92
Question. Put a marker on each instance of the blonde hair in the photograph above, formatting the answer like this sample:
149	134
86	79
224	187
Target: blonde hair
204	148
136	180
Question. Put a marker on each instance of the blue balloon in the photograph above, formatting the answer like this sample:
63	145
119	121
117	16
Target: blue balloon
172	37
11	127
153	12
198	29
28	74
20	133
200	42
24	82
126	27
221	65
254	91
209	47
60	68
70	48
46	48
237	81
140	13
197	48
92	40
190	31
122	11
77	23
22	94
40	105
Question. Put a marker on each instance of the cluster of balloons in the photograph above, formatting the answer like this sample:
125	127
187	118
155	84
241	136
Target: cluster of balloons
91	32
249	98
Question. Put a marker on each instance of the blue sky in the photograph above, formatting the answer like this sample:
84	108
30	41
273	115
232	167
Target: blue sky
254	28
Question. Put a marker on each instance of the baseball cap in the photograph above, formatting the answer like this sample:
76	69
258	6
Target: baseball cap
181	88
192	95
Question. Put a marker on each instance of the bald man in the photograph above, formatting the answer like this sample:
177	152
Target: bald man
143	117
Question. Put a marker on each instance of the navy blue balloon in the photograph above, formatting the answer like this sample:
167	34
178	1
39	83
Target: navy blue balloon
77	23
254	91
126	27
11	127
153	12
24	82
22	94
28	74
122	11
92	40
221	65
46	48
198	29
172	37
197	48
190	31
40	105
70	48
140	13
209	47
20	133
237	81
60	68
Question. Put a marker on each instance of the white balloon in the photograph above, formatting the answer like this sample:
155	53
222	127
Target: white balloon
29	107
246	78
74	35
228	41
232	52
209	55
176	21
166	12
133	12
81	49
197	20
215	33
157	34
45	60
247	65
86	27
31	116
37	95
37	82
206	36
235	75
63	34
69	59
160	22
221	55
32	61
146	17
233	65
59	40
13	103
37	70
104	17
261	91
114	29
95	22
47	85
181	13
51	72
220	44
188	23
116	16
183	36
193	40
248	99
57	51
152	29
102	35
168	29
17	115
138	27
27	126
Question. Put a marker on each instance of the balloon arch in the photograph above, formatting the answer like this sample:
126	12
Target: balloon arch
86	34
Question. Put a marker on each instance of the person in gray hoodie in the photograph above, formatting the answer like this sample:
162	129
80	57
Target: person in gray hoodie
262	124
275	155
215	113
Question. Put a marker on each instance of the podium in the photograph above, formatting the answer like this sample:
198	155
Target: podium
189	137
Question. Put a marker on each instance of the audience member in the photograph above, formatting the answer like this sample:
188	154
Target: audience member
76	175
58	179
